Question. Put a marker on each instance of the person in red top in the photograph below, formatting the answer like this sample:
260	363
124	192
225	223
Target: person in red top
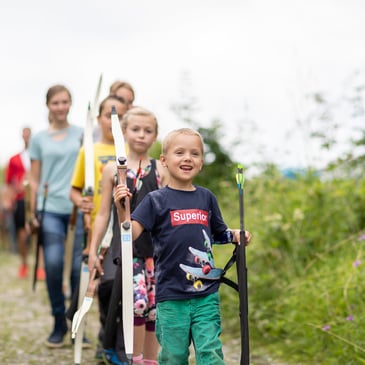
16	177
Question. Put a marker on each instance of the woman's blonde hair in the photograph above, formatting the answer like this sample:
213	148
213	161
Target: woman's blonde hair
116	85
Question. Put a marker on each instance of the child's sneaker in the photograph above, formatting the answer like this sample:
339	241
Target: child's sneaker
110	357
23	271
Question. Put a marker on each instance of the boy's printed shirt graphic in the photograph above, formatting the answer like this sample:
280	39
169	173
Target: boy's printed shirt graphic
204	265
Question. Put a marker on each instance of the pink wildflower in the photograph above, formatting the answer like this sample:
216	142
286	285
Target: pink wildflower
356	263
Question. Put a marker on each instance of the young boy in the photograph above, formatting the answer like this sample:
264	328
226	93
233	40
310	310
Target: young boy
184	220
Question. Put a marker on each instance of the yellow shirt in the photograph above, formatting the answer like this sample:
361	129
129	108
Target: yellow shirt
103	153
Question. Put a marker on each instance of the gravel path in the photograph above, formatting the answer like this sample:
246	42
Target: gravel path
25	323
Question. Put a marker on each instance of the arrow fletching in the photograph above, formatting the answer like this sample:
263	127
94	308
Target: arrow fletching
239	176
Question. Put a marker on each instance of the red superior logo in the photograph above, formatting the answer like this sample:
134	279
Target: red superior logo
189	216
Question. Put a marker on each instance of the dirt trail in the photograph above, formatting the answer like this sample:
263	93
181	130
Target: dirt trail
25	323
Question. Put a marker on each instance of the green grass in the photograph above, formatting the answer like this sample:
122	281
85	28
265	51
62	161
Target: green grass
305	269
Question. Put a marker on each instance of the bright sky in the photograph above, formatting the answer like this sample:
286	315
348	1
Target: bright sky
250	63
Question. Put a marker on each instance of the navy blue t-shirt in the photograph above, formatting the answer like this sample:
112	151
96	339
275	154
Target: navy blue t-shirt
183	225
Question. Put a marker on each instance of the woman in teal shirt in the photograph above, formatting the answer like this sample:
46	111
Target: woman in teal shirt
53	153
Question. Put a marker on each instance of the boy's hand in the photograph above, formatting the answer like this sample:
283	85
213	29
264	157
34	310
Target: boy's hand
236	234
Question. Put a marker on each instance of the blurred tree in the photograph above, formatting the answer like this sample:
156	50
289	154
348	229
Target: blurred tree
155	150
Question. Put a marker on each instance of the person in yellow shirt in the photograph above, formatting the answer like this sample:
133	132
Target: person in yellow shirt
104	152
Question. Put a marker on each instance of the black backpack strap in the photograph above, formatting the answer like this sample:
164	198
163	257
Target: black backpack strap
230	262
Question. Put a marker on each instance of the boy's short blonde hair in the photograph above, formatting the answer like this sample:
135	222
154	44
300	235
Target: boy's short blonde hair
138	111
166	144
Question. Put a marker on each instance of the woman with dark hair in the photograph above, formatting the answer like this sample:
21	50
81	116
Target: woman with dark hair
53	153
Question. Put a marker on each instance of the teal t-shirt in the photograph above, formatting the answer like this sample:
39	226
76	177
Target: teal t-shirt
57	152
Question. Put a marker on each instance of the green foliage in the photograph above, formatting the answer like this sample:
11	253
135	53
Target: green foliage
305	267
155	150
351	163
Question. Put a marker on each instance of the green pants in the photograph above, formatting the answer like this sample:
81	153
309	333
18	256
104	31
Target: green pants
180	322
